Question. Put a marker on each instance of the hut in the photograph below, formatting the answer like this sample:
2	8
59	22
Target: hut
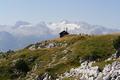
63	33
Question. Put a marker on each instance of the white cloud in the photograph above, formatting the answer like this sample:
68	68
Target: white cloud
25	33
22	28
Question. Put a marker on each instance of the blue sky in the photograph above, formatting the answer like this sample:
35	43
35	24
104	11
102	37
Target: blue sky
101	12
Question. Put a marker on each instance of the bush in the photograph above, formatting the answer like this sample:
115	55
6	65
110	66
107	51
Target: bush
116	43
22	66
94	55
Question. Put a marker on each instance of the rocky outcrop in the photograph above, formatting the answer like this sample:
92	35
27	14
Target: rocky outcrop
47	44
84	72
112	71
87	72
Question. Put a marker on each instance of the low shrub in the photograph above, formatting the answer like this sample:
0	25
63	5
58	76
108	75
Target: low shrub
22	66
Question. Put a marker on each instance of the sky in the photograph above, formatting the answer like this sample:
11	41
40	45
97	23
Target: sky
100	12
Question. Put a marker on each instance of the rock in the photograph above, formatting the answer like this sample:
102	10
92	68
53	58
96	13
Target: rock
44	77
116	55
109	59
32	47
65	45
118	78
112	71
91	78
87	72
107	69
65	51
50	45
100	76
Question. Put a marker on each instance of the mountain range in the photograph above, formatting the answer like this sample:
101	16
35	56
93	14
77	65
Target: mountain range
23	33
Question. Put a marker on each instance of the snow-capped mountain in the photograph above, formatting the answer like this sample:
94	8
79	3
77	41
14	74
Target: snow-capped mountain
23	33
80	27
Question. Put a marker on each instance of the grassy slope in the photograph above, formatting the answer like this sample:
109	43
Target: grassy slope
80	47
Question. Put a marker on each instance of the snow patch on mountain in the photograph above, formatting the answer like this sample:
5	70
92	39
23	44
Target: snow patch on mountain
80	27
25	33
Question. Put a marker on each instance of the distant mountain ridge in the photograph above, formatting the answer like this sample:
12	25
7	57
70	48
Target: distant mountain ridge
23	33
82	27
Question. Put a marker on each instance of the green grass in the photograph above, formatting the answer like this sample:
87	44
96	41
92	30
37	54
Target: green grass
102	64
70	78
79	47
101	45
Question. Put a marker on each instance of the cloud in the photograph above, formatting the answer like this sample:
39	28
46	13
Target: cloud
23	33
27	29
21	23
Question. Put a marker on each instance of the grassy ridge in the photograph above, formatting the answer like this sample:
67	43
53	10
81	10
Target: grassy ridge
56	61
